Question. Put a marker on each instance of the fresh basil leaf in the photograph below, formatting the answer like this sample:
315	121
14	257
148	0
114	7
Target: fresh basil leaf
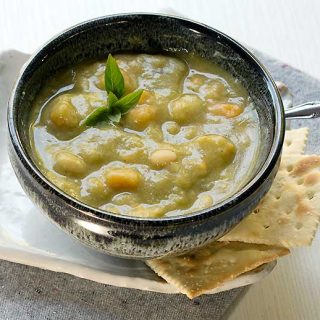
96	116
129	101
115	117
113	78
112	99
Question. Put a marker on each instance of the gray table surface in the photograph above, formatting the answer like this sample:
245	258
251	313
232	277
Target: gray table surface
31	293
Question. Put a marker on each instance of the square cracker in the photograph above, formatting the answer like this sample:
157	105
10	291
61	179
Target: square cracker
207	268
289	214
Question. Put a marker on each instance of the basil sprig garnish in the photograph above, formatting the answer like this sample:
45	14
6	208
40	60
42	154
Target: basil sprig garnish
117	103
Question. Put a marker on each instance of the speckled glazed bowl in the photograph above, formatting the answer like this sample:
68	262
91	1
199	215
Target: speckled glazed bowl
130	236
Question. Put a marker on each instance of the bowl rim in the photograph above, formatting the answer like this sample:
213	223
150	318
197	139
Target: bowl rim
217	209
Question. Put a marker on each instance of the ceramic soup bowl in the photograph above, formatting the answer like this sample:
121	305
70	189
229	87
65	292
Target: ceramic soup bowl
128	236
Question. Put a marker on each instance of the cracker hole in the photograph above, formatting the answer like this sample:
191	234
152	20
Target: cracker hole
300	181
278	196
310	195
266	226
255	211
289	168
299	225
288	143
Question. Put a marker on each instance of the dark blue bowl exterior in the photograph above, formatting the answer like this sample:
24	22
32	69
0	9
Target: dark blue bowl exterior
129	236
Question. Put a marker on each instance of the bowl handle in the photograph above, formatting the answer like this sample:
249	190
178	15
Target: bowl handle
307	110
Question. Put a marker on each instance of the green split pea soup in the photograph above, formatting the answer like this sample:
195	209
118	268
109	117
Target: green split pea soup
189	143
